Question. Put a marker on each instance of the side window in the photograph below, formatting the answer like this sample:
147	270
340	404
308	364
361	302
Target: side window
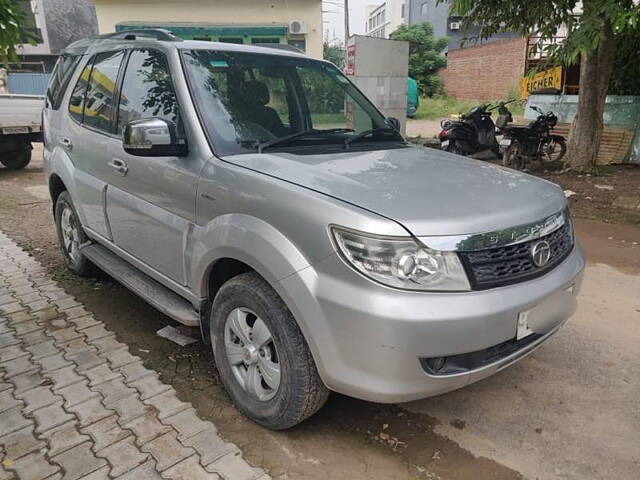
76	102
60	77
100	97
147	90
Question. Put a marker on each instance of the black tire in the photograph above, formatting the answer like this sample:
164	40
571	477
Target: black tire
16	159
512	158
558	153
453	147
78	264
301	392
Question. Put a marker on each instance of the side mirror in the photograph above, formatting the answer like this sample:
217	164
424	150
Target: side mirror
153	137
394	123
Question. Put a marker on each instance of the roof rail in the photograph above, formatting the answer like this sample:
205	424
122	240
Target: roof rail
279	46
157	33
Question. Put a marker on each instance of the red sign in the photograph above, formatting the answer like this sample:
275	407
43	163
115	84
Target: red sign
351	60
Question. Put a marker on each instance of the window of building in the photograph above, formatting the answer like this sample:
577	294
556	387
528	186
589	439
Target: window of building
204	38
238	40
147	89
265	40
382	15
100	96
402	10
300	44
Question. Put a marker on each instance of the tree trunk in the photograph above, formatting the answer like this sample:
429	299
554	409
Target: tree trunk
586	129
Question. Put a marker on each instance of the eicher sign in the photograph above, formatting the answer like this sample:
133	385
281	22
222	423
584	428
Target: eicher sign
542	81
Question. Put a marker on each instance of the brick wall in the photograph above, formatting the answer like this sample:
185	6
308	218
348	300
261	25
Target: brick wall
484	72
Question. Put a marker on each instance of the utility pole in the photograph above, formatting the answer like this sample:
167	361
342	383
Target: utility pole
346	32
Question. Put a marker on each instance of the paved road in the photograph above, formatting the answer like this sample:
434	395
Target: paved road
75	404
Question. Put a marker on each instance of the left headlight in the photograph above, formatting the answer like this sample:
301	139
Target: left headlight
401	262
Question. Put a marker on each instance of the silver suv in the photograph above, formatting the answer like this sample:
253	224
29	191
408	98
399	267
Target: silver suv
256	193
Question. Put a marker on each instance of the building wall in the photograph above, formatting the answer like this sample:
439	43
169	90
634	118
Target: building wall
218	12
392	13
485	72
437	14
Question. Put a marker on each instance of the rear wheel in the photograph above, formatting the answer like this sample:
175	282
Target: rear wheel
16	159
263	359
512	157
453	147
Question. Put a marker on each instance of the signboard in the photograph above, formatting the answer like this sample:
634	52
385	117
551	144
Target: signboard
351	60
548	80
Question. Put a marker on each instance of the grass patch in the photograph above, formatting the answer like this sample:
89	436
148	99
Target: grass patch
441	106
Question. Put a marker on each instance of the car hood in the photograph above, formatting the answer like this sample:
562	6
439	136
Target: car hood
428	191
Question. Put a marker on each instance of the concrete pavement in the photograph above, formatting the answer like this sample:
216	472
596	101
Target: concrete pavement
75	404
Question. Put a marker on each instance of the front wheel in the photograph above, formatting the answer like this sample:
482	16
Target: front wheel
16	159
513	157
263	359
554	150
453	147
71	236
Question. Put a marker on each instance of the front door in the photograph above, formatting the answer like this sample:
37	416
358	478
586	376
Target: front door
151	200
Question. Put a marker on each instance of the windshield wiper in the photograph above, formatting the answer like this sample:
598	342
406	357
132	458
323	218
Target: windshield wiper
277	141
373	131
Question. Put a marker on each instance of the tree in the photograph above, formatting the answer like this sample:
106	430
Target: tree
11	34
334	54
425	54
593	30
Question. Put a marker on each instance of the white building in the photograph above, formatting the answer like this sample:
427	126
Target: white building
384	19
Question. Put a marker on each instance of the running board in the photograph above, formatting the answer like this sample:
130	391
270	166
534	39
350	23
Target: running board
160	297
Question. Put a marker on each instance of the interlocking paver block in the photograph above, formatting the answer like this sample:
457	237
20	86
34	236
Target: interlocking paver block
34	467
84	322
106	432
86	360
100	374
77	393
100	474
167	404
18	317
135	371
66	302
49	417
114	390
77	346
63	377
7	339
8	400
9	353
187	423
96	332
150	387
147	427
233	466
7	298
42	349
27	326
129	408
120	357
37	398
17	366
123	456
64	335
8	308
54	362
20	443
46	315
90	411
166	450
146	471
107	344
79	461
28	381
75	312
189	469
209	445
63	437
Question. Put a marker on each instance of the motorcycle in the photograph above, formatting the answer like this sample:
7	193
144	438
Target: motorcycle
520	145
475	131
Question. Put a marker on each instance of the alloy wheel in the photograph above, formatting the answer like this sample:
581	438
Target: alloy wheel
70	233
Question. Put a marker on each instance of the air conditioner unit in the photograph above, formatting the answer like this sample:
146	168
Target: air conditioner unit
455	25
297	27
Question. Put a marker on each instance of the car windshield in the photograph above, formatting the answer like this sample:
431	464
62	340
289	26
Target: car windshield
249	102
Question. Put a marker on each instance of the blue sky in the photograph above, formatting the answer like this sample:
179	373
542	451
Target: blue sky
335	21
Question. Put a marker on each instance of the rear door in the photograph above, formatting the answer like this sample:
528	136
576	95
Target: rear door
89	135
151	205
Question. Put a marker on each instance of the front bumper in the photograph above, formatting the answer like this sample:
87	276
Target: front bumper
368	340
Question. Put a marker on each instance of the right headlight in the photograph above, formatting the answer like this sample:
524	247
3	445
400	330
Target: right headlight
401	262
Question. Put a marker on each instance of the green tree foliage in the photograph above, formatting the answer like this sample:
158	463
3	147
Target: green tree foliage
595	30
425	55
625	79
334	54
11	17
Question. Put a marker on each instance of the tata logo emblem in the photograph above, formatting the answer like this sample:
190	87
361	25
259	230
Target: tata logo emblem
540	253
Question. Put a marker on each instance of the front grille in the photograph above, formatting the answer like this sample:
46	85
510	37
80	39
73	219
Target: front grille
495	267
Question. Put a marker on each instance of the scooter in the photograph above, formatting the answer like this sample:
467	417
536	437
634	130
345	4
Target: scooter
475	131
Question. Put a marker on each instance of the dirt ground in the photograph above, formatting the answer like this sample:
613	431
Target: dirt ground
571	410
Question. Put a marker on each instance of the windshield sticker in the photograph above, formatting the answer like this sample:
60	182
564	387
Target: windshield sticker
219	63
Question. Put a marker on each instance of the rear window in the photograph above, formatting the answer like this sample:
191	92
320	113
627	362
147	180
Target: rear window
60	77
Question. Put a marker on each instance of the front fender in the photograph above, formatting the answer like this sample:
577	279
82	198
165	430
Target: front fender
247	239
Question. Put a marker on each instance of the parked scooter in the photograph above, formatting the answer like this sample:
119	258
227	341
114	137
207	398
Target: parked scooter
475	131
521	145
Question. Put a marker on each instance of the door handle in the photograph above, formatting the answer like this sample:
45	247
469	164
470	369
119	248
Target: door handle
119	166
66	143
